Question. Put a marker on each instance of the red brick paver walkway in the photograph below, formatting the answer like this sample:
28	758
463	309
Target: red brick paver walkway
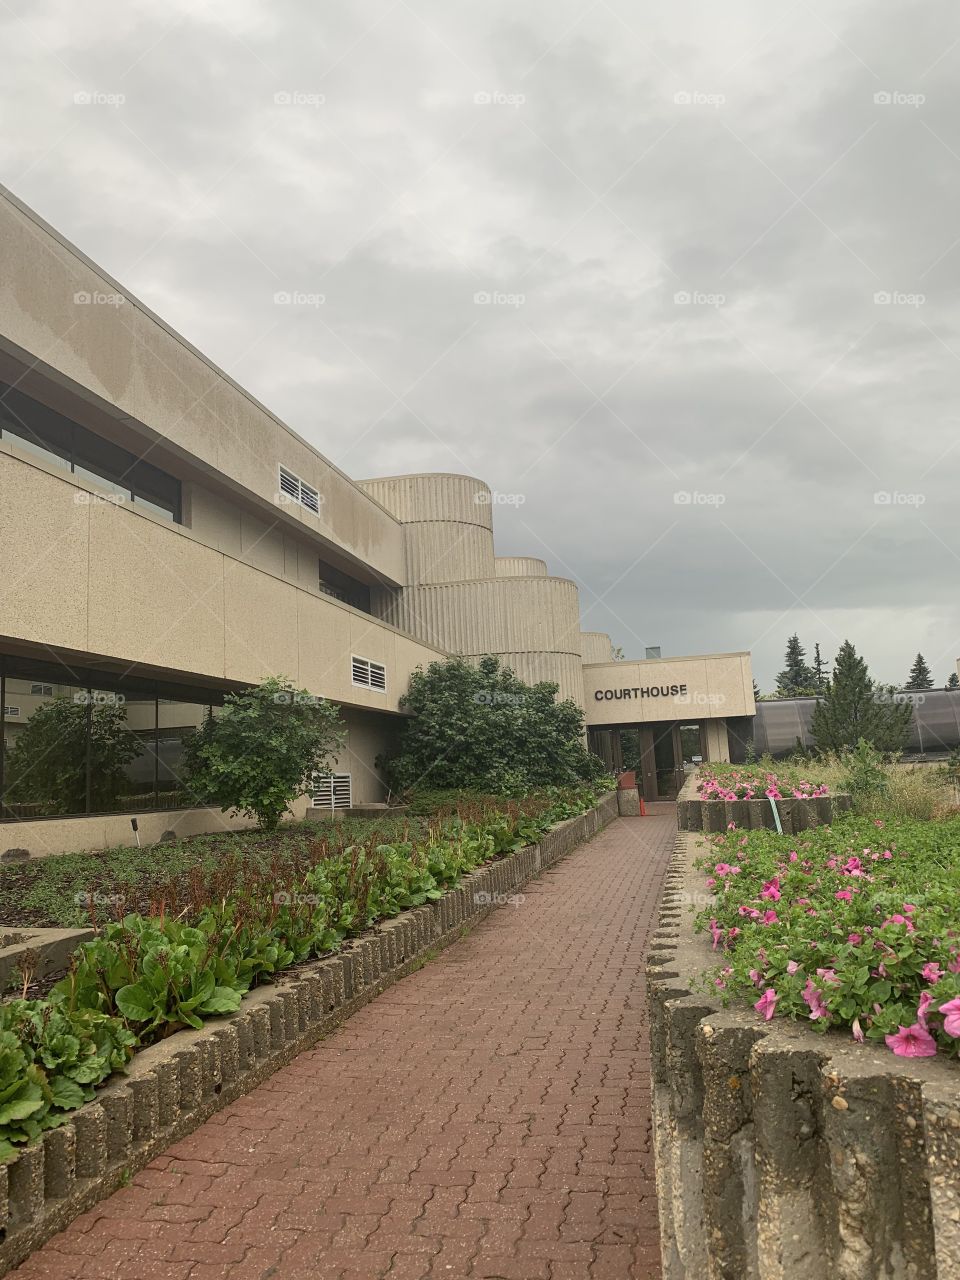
487	1117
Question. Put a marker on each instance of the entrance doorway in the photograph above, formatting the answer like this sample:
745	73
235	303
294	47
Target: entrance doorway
661	753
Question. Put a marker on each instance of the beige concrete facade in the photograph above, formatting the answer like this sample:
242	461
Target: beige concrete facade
242	577
714	687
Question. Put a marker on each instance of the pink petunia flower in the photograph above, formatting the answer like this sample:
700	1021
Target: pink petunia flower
771	917
951	1023
767	1004
932	972
792	967
857	1031
912	1042
813	997
926	1000
771	889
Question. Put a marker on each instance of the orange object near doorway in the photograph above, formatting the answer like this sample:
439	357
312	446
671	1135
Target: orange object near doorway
643	808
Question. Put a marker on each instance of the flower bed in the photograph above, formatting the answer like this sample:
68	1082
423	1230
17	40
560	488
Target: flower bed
856	925
729	782
220	933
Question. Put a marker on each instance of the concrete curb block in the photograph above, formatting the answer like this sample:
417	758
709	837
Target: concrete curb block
795	815
782	1153
172	1087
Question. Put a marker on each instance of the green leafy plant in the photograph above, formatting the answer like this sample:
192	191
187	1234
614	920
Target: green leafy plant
263	750
481	728
238	922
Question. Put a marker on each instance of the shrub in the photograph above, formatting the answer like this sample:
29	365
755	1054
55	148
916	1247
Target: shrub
263	750
481	728
853	925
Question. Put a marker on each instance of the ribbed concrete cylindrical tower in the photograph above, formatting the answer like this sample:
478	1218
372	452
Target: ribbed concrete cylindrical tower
596	646
520	567
462	598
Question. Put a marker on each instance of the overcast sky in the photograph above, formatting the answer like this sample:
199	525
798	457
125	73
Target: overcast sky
716	250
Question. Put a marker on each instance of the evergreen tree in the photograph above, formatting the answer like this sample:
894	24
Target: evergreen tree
796	679
757	695
953	681
920	677
854	708
820	671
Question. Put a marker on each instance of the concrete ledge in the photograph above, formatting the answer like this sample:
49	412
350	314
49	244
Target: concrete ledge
694	814
41	951
172	1087
782	1154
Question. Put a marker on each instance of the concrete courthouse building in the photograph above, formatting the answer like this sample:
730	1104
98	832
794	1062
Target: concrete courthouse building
166	539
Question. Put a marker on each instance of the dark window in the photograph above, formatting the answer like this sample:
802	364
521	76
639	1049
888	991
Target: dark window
50	435
341	586
99	745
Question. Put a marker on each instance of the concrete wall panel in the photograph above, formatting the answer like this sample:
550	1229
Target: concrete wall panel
123	357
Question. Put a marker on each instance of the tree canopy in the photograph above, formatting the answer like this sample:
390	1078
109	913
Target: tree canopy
854	707
920	677
797	678
482	728
263	750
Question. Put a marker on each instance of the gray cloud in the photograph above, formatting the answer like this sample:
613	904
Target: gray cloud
628	153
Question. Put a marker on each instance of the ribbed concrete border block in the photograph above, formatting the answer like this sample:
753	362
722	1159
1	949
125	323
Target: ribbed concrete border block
782	1154
173	1087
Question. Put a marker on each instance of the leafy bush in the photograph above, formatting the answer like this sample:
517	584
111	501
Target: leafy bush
143	978
263	750
481	728
50	1059
864	775
854	925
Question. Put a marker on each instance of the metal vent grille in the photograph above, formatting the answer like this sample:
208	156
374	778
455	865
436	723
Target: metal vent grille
369	675
297	490
333	791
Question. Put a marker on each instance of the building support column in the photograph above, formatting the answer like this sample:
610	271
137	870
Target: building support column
717	742
648	762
